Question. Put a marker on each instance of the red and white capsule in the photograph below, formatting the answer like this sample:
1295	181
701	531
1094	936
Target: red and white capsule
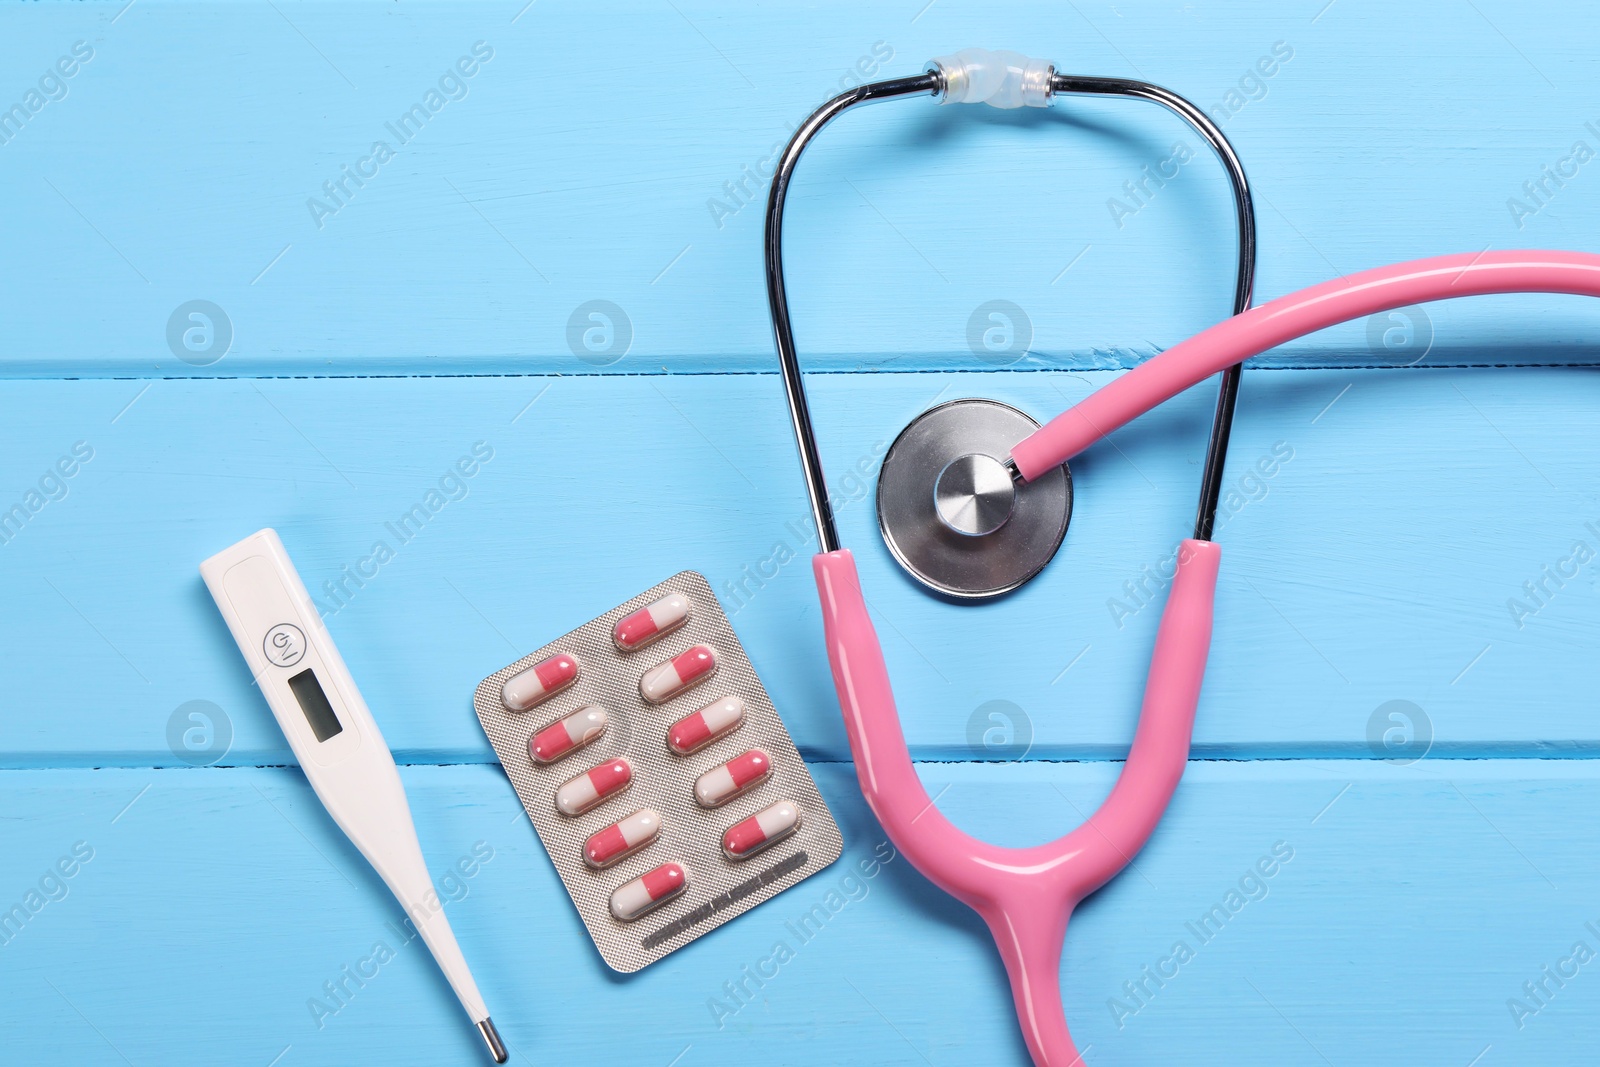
592	786
735	778
663	682
621	839
633	631
539	682
717	720
565	736
650	890
766	827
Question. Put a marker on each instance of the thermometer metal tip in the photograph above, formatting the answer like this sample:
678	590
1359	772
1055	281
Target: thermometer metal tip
491	1037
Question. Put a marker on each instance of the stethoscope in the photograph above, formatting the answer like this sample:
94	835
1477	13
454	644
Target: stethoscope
1026	895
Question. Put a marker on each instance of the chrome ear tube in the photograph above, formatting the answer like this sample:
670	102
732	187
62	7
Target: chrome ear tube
945	512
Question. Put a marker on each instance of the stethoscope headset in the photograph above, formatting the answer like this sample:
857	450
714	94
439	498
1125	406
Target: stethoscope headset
974	499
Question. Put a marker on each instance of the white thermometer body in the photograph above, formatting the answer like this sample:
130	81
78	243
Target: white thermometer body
334	737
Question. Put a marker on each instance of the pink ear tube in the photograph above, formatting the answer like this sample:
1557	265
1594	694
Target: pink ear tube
1293	316
1025	894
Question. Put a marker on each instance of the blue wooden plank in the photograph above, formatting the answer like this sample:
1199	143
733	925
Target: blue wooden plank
561	176
1376	562
1417	901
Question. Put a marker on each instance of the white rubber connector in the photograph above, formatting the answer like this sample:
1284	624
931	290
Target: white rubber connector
999	79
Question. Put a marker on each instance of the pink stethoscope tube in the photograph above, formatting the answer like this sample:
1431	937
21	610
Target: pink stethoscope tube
1026	895
1293	316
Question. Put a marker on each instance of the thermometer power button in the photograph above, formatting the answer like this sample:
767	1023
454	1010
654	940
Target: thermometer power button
284	645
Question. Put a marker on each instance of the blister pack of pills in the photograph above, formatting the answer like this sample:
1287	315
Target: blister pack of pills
657	772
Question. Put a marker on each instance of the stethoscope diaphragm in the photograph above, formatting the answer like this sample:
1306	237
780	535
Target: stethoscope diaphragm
951	511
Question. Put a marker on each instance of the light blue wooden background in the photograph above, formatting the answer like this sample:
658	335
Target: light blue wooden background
431	312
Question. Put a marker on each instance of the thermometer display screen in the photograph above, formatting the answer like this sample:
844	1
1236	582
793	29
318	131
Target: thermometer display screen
314	702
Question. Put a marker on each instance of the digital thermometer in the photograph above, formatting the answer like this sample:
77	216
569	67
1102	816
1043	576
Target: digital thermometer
335	738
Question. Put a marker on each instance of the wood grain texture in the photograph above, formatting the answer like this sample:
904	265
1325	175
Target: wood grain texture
1408	519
